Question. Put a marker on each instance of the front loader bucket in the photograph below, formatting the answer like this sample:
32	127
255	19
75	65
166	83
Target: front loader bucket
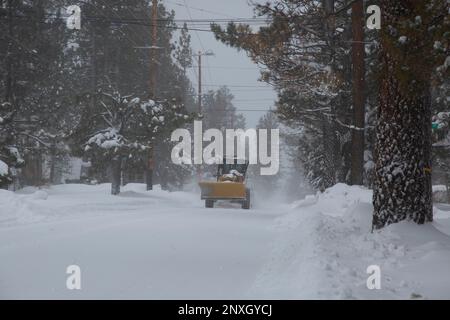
222	190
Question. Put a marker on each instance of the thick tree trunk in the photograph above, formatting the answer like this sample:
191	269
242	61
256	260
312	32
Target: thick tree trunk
331	155
32	172
402	189
358	93
53	164
126	176
116	173
149	178
149	171
402	184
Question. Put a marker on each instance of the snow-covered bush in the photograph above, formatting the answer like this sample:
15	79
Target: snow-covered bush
123	130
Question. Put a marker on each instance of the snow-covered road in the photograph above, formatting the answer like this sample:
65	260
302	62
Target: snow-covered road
157	244
137	245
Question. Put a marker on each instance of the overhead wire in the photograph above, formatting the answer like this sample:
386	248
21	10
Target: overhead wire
101	17
200	9
199	39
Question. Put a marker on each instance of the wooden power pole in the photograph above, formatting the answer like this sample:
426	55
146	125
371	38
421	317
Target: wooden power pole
153	74
154	64
199	82
199	55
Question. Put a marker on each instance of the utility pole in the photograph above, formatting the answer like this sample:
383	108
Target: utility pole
358	83
154	64
199	82
9	55
153	73
199	55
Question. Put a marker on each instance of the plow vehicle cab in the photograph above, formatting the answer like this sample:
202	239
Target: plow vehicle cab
230	184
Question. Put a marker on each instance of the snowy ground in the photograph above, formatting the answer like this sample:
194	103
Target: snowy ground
156	245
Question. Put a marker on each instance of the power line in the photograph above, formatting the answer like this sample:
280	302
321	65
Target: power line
127	37
234	86
147	18
200	9
203	22
229	67
200	20
127	21
198	37
145	13
195	22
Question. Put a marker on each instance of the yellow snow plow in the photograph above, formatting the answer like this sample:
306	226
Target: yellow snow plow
230	184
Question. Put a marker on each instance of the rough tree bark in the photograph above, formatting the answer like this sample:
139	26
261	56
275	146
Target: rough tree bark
358	92
331	141
402	188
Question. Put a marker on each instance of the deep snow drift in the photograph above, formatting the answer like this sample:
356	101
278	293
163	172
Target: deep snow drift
158	244
325	246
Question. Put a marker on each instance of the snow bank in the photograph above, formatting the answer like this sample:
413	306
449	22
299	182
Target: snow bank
18	209
40	195
69	201
325	245
336	201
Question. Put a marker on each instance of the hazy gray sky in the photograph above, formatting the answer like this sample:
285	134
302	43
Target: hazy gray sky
228	66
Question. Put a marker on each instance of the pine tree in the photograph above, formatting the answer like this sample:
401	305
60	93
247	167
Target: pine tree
117	55
219	111
118	131
402	187
183	52
35	82
358	94
305	51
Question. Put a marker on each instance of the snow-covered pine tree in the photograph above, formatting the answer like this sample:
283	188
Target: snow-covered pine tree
121	129
183	51
35	82
402	187
305	52
107	52
183	57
